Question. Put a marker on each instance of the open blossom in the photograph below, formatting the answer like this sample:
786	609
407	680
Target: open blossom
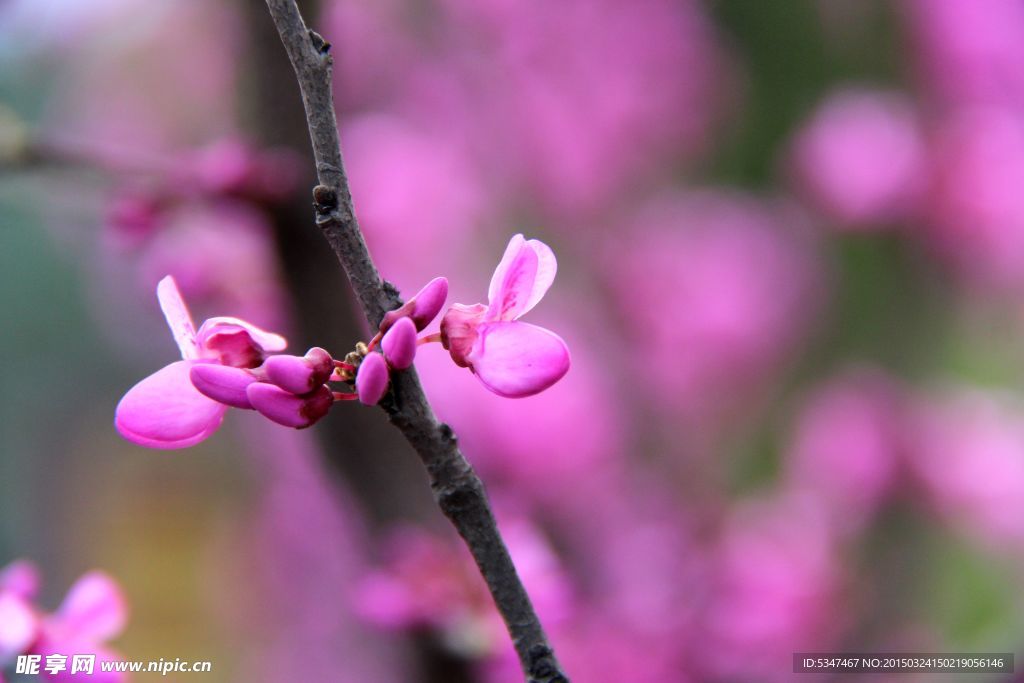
93	612
165	410
511	358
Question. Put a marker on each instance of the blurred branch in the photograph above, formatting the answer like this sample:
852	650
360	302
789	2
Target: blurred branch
457	489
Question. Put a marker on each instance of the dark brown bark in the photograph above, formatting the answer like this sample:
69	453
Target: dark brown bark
456	487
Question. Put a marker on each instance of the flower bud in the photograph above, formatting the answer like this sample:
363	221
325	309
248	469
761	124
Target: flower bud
427	302
222	383
288	409
422	308
399	344
372	379
299	374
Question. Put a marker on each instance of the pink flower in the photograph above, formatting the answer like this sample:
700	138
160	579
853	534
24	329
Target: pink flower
860	158
776	585
429	582
165	410
846	446
19	623
93	612
975	208
966	450
511	358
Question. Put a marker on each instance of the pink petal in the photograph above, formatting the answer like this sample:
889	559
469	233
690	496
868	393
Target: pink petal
372	379
236	343
427	302
19	625
285	408
459	330
94	609
423	307
178	317
56	642
300	374
166	411
222	383
21	578
399	344
521	279
515	359
267	341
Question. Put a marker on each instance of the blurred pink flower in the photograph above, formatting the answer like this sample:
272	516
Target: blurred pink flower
376	45
414	191
510	358
165	410
846	446
432	582
19	622
93	612
967	452
969	51
860	158
777	583
976	209
219	252
718	290
574	432
158	87
594	648
593	95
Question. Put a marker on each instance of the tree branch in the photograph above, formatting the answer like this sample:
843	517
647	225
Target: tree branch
457	489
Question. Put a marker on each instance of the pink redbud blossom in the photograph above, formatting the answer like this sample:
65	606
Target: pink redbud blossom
372	379
223	383
165	410
860	158
300	374
93	612
511	358
399	344
285	408
19	623
422	308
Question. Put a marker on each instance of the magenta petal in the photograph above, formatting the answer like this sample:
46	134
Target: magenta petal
178	318
521	279
428	302
515	359
372	379
165	411
19	626
399	344
292	373
459	330
322	362
267	341
230	345
21	578
285	408
222	383
94	609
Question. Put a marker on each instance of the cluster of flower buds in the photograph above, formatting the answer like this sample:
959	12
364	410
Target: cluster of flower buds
231	363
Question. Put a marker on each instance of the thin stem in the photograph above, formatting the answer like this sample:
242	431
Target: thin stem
429	339
457	489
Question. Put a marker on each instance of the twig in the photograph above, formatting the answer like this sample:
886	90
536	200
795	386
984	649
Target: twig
457	489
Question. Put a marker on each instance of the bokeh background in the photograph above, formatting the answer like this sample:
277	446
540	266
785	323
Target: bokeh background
791	272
